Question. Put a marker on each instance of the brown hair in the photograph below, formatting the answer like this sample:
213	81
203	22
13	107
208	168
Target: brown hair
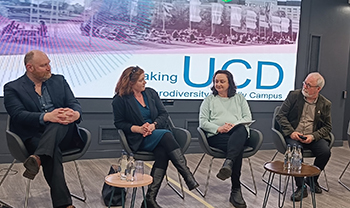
232	85
128	78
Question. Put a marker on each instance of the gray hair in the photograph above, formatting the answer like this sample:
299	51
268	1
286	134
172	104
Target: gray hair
319	77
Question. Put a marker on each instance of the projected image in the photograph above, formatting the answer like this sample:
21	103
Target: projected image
179	43
62	26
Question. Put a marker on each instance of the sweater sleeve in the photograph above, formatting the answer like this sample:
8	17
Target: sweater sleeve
204	117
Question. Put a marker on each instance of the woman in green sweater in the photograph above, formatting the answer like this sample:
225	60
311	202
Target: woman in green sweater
220	116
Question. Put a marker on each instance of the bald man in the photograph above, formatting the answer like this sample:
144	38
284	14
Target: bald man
45	114
305	119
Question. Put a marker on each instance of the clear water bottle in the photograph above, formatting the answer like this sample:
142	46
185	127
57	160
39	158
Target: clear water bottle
123	161
300	162
295	158
130	169
287	158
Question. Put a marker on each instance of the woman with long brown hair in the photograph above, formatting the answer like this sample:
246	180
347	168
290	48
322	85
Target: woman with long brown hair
140	113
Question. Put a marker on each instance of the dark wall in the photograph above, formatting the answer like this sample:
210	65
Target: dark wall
323	46
328	21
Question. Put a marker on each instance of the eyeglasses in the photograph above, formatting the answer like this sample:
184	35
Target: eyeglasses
307	85
133	71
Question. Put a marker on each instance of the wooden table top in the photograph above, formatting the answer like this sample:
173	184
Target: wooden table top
306	170
114	180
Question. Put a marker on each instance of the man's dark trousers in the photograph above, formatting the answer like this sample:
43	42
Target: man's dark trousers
49	146
319	148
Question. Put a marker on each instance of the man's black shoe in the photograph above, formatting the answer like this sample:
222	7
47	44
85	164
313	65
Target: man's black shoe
298	193
318	189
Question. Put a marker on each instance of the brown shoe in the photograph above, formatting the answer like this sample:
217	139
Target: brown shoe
71	206
32	165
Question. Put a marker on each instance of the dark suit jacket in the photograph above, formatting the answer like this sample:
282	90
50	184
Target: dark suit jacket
22	103
290	112
127	113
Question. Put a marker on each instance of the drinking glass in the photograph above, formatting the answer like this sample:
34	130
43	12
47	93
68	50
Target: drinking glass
139	170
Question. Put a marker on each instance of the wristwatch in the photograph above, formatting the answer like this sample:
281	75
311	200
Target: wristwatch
155	124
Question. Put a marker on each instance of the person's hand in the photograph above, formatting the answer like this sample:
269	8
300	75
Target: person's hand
139	129
225	128
63	116
308	140
150	128
70	116
54	116
147	127
229	126
295	136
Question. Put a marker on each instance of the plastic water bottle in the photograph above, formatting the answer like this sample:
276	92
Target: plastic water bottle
295	158
123	164
130	169
300	155
287	158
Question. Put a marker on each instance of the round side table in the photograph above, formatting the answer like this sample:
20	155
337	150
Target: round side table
276	167
115	181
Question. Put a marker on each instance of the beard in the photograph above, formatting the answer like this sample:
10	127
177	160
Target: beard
308	95
42	76
305	93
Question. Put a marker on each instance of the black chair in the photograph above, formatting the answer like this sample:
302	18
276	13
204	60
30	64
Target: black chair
251	147
20	153
281	146
346	167
183	138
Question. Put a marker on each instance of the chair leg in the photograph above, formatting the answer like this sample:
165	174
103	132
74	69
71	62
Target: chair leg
253	191
3	204
265	181
263	175
340	177
326	189
3	179
81	184
194	172
199	163
27	193
181	195
208	176
7	172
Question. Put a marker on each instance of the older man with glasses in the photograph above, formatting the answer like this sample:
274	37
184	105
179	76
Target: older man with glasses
305	119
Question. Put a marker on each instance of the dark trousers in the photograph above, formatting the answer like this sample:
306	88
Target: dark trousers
321	151
48	145
232	143
166	145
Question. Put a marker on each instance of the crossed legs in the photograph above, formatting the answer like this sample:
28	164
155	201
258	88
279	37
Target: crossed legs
48	146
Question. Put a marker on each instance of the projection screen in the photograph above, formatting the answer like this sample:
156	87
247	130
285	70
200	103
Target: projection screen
179	43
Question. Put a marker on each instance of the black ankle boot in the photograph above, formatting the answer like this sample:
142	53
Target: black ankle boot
179	161
226	170
236	198
158	175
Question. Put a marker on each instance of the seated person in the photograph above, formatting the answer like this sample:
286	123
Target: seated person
307	113
44	114
220	115
140	113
